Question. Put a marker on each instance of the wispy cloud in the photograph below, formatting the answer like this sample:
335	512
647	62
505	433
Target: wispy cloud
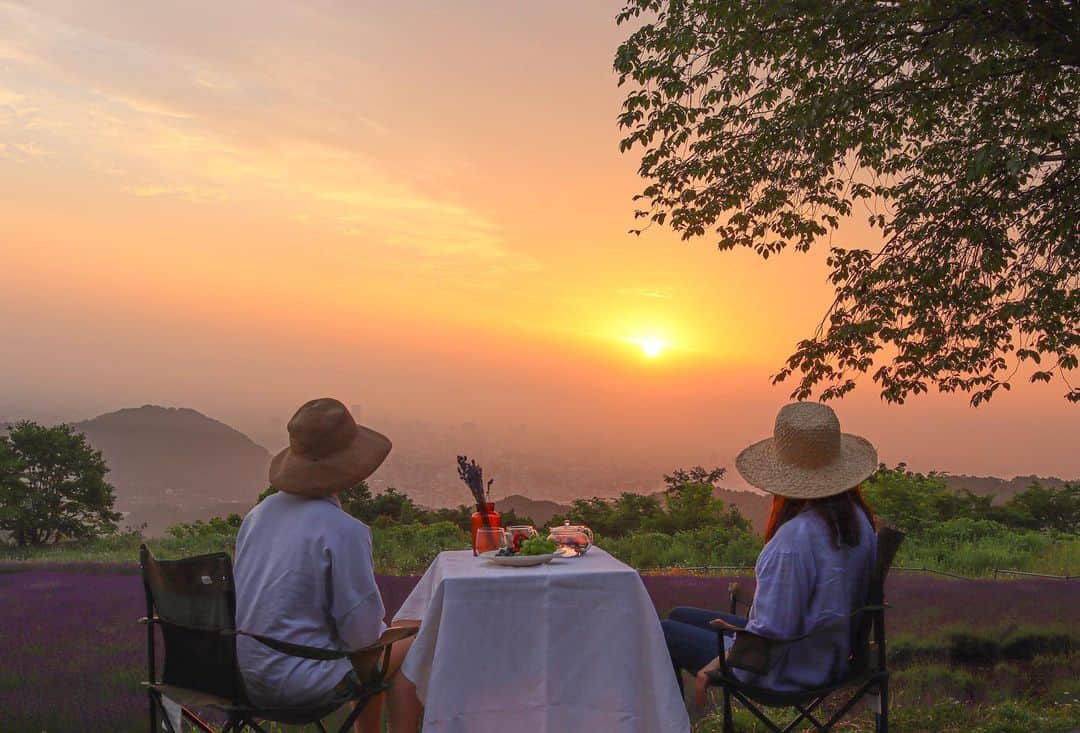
654	293
189	193
209	130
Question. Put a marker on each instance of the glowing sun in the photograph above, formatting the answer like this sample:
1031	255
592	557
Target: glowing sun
651	346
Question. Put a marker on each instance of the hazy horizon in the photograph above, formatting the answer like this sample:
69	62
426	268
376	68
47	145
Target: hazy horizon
500	442
418	209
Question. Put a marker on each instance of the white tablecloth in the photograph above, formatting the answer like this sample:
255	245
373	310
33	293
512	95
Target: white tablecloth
572	646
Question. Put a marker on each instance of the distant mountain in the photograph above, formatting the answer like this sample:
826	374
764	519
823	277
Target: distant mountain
539	510
1001	489
171	464
753	505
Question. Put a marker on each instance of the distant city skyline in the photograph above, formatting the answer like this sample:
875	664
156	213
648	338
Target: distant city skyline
420	209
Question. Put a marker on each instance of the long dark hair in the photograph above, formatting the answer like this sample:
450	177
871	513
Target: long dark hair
838	513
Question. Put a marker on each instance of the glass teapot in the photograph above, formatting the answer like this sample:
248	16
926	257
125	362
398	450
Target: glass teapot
573	540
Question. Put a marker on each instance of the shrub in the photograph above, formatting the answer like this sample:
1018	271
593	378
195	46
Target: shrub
973	546
700	547
1027	644
905	649
972	648
408	549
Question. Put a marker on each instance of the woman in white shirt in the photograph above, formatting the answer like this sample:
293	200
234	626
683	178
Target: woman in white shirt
819	553
304	572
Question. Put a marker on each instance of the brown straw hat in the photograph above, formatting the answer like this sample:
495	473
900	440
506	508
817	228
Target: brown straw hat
808	457
328	452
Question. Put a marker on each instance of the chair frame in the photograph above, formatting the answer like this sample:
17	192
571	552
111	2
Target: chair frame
241	713
868	674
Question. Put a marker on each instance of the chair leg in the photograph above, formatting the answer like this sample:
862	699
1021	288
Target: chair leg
196	721
729	721
771	726
159	707
358	708
807	714
153	712
881	720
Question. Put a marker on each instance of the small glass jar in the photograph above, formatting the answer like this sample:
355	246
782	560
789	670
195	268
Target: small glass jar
484	516
489	539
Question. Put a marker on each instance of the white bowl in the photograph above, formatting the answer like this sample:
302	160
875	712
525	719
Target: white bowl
517	561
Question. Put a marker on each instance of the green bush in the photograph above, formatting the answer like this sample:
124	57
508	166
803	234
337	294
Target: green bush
975	547
700	547
408	549
970	647
1027	644
688	503
685	527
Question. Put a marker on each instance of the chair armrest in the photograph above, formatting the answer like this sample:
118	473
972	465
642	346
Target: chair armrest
372	662
725	628
391	636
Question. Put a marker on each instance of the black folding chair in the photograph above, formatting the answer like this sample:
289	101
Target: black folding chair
867	672
193	600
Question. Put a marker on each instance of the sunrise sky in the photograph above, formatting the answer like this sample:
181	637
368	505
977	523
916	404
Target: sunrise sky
417	207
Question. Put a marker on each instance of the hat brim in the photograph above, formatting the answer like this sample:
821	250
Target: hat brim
317	477
762	467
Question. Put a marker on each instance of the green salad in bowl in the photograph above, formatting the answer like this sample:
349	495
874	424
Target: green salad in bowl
530	546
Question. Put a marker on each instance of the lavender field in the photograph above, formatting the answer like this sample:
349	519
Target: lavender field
73	655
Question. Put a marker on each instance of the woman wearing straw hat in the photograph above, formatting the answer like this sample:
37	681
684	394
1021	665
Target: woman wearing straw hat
819	553
304	571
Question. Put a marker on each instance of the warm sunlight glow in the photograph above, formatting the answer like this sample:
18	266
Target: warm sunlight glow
652	347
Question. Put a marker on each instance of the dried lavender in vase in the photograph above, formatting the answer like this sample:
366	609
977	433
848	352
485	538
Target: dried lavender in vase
485	515
473	476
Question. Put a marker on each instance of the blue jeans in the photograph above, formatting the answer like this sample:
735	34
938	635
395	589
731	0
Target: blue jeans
690	641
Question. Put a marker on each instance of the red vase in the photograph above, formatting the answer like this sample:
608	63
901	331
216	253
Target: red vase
486	518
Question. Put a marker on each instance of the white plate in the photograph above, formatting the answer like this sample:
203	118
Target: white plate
517	561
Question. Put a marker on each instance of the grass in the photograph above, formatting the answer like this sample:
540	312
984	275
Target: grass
984	646
979	554
1015	716
1059	558
407	549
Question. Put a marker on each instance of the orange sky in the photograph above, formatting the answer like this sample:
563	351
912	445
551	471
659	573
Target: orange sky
418	207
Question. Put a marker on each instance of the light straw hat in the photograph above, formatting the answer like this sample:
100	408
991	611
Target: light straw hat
808	457
328	452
